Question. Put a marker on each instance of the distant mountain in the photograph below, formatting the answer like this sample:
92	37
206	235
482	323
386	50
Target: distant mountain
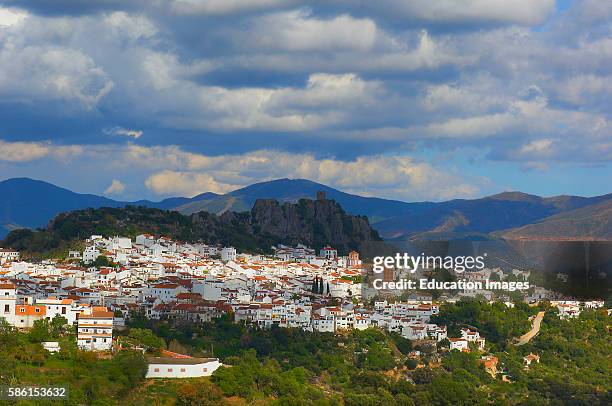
33	203
461	218
30	203
315	223
291	190
593	222
394	219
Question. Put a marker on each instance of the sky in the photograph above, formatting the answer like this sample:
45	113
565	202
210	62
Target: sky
408	100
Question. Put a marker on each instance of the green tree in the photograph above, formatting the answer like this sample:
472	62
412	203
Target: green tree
41	331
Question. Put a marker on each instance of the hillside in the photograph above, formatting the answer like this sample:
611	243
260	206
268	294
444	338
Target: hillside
32	203
462	218
593	222
315	223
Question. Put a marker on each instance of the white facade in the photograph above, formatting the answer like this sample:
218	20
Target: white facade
90	254
160	367
228	254
51	346
8	301
7	255
458	344
60	307
95	330
329	253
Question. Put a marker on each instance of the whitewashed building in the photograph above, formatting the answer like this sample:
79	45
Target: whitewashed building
162	367
95	330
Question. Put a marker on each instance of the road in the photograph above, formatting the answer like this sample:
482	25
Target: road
535	329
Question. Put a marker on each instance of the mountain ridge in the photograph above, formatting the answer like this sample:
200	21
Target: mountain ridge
22	206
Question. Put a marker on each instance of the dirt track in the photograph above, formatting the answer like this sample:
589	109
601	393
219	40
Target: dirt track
535	329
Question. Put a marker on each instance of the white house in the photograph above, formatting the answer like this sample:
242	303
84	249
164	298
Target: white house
228	254
528	359
473	337
90	254
436	332
328	252
145	240
8	255
568	310
121	243
60	307
162	367
458	344
95	330
26	315
165	292
51	346
8	301
415	332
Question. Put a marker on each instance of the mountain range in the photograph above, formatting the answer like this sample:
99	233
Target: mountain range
32	203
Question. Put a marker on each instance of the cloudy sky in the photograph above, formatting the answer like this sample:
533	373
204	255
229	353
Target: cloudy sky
413	100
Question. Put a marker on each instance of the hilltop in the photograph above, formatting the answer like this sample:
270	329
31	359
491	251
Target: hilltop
314	223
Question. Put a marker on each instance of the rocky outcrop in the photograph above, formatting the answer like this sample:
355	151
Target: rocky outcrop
312	222
315	223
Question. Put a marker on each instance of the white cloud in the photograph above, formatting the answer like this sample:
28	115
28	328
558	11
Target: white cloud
36	73
9	17
324	101
185	184
584	89
358	79
130	26
298	30
116	188
396	177
31	151
537	146
124	132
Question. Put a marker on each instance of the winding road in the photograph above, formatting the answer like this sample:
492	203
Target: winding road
535	329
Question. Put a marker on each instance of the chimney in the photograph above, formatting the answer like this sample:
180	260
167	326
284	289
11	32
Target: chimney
320	195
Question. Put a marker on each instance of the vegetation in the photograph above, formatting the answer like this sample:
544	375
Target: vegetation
90	380
248	231
497	322
293	367
371	367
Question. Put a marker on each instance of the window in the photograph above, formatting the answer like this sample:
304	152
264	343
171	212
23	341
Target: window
63	310
182	369
7	308
169	369
22	310
37	310
205	369
156	370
